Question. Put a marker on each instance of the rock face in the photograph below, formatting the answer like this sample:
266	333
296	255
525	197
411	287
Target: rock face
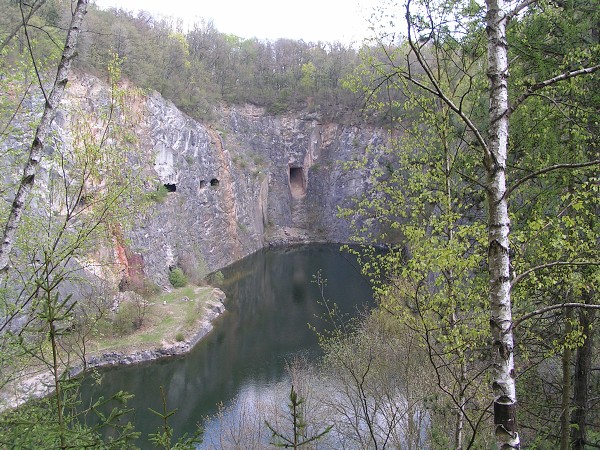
243	182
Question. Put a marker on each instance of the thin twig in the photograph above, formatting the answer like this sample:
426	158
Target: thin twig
542	84
549	169
552	264
551	308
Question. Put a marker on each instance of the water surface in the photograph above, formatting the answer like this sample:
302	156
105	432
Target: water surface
271	299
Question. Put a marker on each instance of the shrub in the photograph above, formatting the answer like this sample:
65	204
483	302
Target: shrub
177	278
160	195
131	315
179	337
193	265
144	287
124	320
216	278
149	289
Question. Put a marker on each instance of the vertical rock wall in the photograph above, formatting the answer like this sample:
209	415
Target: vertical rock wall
231	184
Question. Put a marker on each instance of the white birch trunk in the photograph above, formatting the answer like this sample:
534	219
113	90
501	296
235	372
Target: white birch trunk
503	385
37	146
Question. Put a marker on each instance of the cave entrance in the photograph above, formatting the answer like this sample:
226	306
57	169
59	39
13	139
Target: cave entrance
170	187
297	182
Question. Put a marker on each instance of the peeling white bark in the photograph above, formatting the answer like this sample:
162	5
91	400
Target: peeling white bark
36	150
505	399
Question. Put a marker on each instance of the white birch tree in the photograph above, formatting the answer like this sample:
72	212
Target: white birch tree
495	159
427	25
52	102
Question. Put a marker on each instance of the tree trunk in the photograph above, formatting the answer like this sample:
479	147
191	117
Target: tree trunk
566	385
503	373
583	368
460	415
43	129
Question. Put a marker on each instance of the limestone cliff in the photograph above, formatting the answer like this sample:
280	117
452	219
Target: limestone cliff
243	181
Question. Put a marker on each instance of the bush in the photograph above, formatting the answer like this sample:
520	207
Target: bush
216	278
130	315
149	289
179	337
160	195
124	321
193	265
177	278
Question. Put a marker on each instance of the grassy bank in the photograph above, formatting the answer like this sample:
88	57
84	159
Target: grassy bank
170	317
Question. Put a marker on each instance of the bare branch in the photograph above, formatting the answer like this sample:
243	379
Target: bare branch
520	277
17	109
549	169
520	7
15	30
437	90
541	311
543	84
35	67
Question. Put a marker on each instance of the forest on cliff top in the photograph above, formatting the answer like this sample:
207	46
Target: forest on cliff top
199	67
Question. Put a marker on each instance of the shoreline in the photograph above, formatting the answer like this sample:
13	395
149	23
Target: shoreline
213	309
40	384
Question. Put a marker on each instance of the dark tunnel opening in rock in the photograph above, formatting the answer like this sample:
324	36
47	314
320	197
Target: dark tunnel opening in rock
214	182
170	187
297	184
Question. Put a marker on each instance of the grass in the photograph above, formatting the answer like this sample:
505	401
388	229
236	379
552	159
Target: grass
167	318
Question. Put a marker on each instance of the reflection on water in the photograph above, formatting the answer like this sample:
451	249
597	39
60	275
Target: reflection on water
270	301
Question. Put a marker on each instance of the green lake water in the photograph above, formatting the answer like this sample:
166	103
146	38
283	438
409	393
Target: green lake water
271	299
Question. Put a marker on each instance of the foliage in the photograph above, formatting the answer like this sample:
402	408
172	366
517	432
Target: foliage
433	273
87	189
298	437
35	424
376	384
164	439
216	278
192	262
83	188
425	204
177	278
556	219
160	195
201	67
373	383
130	315
204	66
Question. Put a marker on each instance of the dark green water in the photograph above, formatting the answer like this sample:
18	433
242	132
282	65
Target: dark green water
271	299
